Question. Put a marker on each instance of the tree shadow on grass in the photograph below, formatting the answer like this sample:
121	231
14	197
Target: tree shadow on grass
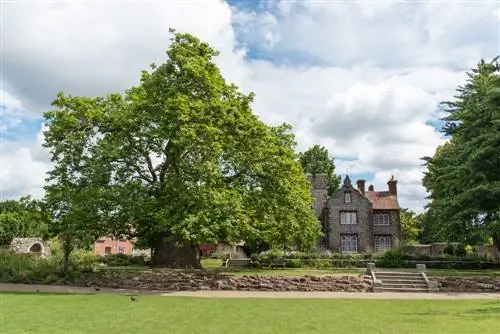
46	293
490	310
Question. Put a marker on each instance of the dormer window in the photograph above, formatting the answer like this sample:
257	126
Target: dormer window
347	197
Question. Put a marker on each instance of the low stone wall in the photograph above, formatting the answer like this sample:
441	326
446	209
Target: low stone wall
469	284
176	281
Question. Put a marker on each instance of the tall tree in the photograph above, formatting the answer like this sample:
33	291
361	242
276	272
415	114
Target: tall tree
463	176
22	218
316	160
411	226
177	161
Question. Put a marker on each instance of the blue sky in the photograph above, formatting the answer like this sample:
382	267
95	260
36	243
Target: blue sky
363	79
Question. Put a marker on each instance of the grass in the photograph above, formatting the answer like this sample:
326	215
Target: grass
102	313
212	264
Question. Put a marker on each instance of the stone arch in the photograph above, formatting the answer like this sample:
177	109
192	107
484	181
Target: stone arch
30	246
36	248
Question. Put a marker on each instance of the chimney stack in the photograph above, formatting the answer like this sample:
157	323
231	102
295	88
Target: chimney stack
361	186
370	187
393	186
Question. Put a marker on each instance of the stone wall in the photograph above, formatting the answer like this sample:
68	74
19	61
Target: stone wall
363	228
30	245
319	191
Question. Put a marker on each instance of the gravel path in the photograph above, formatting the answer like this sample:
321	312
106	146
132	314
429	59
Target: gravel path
249	294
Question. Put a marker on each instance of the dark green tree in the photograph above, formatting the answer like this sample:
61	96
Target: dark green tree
22	218
463	176
177	161
316	160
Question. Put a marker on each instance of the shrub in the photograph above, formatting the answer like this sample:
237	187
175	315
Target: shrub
271	254
123	260
294	263
459	250
392	259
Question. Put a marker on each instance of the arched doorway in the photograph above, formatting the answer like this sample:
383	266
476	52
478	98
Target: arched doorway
36	248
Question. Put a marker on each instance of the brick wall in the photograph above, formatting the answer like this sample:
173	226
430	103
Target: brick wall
105	246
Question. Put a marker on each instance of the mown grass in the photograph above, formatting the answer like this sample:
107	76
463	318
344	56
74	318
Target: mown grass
214	264
102	313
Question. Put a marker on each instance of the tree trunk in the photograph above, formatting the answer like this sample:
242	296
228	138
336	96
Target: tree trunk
170	252
496	243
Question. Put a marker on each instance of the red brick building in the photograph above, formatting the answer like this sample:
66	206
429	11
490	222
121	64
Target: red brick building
106	246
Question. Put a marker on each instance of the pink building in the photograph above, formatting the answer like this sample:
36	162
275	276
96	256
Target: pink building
105	246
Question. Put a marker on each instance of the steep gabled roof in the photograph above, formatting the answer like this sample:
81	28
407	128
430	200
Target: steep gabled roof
382	200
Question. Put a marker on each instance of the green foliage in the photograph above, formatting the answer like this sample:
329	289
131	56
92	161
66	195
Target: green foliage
411	226
463	176
179	159
316	160
22	218
123	260
294	263
392	259
32	269
459	250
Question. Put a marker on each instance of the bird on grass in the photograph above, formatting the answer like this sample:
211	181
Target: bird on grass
132	298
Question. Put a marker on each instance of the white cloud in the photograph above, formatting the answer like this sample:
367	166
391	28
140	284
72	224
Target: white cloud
380	71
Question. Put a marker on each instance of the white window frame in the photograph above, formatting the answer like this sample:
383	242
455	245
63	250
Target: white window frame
381	219
383	243
347	197
348	243
348	218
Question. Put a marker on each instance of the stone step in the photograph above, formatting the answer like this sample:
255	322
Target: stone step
382	276
398	273
404	285
403	289
399	280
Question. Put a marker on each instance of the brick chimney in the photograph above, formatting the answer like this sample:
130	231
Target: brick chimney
370	187
393	186
361	186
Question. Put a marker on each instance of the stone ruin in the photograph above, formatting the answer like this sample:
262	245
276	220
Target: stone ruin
34	246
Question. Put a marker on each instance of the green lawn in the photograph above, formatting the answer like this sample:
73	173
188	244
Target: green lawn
213	263
46	313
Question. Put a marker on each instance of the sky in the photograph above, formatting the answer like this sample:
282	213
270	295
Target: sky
362	78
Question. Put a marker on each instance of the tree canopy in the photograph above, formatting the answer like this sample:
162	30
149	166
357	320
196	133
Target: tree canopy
463	176
22	218
177	161
411	226
316	160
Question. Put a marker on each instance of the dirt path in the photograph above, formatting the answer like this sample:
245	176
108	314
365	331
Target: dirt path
247	294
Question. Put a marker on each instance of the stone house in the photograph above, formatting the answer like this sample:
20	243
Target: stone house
356	220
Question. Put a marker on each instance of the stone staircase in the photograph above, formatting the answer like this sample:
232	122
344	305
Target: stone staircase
391	281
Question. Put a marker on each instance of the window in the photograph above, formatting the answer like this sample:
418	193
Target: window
121	249
348	218
347	197
349	243
383	243
381	219
107	250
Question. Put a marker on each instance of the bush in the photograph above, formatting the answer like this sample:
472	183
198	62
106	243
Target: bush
458	250
294	263
123	260
392	259
272	254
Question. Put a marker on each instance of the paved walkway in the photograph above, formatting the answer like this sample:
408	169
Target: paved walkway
4	287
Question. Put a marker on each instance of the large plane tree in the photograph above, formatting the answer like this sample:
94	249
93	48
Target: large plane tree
176	161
